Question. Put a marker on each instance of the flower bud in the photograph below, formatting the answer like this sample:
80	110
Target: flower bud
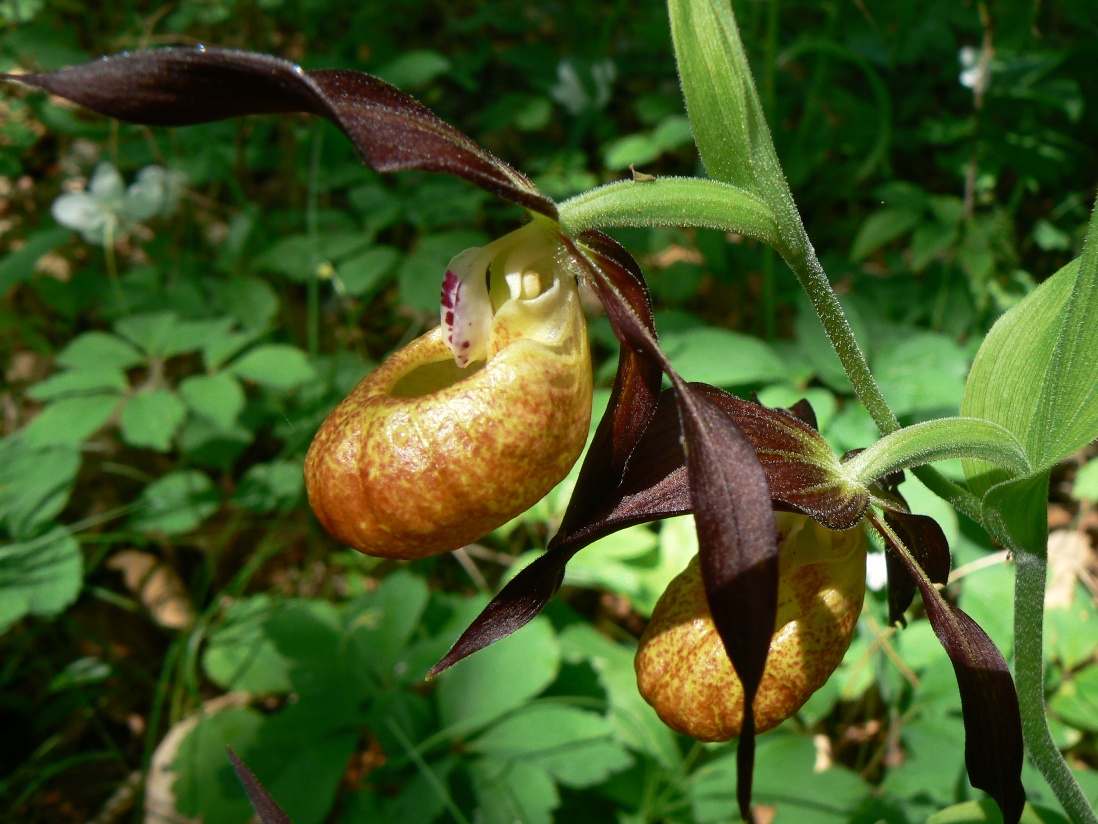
472	423
684	672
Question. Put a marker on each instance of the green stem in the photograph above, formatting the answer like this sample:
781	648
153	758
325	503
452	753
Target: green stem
1030	572
939	440
960	498
801	258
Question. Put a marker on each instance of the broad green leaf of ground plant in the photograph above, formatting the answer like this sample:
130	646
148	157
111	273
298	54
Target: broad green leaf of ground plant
816	797
576	747
725	112
41	576
498	679
176	503
985	812
34	484
509	792
636	723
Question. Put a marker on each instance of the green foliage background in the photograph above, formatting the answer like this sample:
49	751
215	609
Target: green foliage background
163	589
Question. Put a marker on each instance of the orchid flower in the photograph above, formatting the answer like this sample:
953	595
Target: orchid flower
471	423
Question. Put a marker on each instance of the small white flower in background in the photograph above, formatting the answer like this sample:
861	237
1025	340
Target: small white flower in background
973	71
876	571
107	208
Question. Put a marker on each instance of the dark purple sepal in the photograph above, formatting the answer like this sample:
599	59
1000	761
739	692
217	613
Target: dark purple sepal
266	808
800	467
732	510
989	701
930	549
922	536
633	399
184	86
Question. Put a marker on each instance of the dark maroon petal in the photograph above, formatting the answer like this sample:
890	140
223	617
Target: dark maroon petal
799	465
920	534
989	702
732	510
803	411
632	402
928	545
266	808
183	86
514	606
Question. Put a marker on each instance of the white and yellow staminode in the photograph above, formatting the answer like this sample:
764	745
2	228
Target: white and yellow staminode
470	424
684	672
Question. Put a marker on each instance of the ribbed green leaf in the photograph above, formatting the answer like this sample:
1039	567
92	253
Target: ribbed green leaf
729	126
1036	373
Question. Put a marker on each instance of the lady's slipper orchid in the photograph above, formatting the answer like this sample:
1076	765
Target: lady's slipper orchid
683	671
467	414
470	424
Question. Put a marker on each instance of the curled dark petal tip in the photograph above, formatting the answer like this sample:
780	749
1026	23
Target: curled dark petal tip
803	411
266	808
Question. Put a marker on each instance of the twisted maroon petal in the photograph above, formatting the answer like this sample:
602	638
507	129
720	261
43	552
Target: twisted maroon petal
184	86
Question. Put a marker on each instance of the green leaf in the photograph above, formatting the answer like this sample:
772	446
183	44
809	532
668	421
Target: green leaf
574	746
414	69
364	274
153	332
938	440
220	397
498	679
725	112
70	420
176	503
195	335
99	351
1036	372
825	797
1085	487
79	382
921	372
269	487
296	258
421	272
883	227
1076	701
1015	512
40	576
275	366
986	811
205	782
17	267
382	626
35	484
241	656
151	419
636	723
722	358
251	301
509	792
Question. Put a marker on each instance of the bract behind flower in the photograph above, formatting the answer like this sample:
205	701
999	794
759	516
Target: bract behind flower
684	672
425	456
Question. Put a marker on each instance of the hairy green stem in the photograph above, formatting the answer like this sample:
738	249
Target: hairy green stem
960	498
1029	605
938	440
801	258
